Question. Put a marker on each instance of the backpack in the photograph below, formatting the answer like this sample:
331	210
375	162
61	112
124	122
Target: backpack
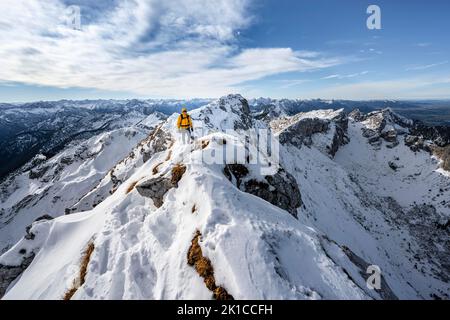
187	117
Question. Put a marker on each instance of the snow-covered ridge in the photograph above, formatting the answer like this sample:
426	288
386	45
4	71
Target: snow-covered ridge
354	209
51	186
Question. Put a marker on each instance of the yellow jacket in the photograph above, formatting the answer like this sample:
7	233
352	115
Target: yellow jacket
184	121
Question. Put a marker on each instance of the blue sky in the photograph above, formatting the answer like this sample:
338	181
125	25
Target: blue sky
200	48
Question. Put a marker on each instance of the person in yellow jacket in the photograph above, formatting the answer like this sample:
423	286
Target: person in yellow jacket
184	124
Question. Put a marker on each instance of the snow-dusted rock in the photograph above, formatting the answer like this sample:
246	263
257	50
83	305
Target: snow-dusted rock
326	129
279	189
384	124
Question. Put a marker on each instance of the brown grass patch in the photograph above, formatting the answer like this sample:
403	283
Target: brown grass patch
220	293
205	269
195	252
205	143
169	155
177	173
131	187
77	283
155	169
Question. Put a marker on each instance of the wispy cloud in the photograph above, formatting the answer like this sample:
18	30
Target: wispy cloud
423	44
426	66
345	76
180	48
371	51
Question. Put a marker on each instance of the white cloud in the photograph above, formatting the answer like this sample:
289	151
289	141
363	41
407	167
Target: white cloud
345	76
331	76
427	66
181	48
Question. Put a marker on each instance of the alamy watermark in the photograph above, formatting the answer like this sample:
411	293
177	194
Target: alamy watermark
72	17
373	282
374	20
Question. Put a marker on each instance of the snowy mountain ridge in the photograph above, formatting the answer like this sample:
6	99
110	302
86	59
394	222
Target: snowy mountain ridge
349	191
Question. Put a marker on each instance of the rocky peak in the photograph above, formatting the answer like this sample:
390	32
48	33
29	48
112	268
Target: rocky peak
231	112
326	129
235	102
435	140
381	125
439	135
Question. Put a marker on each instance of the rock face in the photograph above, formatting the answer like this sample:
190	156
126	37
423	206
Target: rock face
24	253
301	129
356	115
438	135
382	125
9	273
29	234
416	143
435	140
418	136
280	189
301	132
156	188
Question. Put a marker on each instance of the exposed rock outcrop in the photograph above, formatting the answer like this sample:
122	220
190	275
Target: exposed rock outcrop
382	125
300	133
29	234
22	255
156	188
388	126
302	128
435	140
38	172
10	273
280	189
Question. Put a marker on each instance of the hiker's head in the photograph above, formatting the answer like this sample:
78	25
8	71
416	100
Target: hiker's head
184	110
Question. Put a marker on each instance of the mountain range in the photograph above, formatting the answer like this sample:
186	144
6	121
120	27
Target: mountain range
103	201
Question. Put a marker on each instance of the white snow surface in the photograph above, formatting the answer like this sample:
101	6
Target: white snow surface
141	250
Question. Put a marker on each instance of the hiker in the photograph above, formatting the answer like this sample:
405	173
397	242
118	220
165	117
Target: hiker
184	124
